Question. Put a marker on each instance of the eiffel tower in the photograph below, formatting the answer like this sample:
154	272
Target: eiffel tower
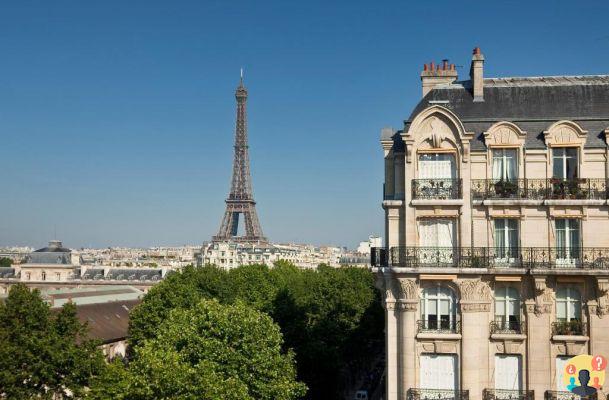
240	199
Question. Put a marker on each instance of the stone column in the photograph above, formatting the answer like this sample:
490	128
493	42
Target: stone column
475	310
539	357
408	302
391	345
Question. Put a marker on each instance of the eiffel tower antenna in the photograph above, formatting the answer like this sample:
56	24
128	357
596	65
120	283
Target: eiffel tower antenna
241	198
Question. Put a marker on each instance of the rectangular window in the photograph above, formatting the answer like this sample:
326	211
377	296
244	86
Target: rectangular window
567	240
564	161
506	239
437	166
439	371
508	372
505	164
437	240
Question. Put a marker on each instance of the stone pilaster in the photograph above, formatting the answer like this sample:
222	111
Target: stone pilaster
476	300
539	314
408	292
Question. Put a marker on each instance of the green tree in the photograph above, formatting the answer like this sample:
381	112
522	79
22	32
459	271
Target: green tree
209	351
5	262
43	353
331	318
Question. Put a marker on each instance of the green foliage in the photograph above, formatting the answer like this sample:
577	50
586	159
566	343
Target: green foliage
330	317
43	353
5	262
209	351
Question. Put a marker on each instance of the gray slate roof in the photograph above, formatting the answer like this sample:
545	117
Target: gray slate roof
7	272
531	103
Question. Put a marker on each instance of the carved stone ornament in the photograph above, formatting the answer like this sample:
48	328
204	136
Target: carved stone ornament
602	289
475	307
437	136
407	289
475	290
390	305
410	305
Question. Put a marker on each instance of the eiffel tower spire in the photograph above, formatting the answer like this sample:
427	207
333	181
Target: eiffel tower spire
241	198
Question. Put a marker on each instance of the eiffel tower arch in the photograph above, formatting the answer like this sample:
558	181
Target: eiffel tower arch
240	201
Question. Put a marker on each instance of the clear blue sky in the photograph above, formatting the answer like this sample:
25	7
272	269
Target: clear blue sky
117	117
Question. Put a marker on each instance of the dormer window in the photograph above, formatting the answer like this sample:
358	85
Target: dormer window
505	164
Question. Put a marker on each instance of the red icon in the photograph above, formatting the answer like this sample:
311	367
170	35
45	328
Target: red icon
599	363
571	369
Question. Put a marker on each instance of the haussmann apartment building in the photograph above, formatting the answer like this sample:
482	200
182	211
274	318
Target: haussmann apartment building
496	265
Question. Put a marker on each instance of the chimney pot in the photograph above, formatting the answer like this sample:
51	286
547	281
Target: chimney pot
476	50
445	64
424	67
431	65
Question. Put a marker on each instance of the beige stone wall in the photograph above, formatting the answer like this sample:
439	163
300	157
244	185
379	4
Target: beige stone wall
437	129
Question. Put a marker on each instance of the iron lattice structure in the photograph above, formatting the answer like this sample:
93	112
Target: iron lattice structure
241	199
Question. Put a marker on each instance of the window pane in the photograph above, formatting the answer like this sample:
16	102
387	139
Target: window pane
561	310
558	162
511	167
513	308
444	307
433	307
500	308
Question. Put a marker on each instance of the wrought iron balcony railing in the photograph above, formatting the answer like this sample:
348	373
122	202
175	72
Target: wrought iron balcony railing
501	325
438	326
438	189
540	189
558	395
436	394
504	394
569	328
500	257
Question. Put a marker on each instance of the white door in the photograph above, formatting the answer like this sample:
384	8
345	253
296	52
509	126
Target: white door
438	371
561	363
508	372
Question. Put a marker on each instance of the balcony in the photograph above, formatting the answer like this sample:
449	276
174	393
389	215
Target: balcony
500	257
557	395
502	326
569	328
438	326
437	394
504	394
437	189
539	189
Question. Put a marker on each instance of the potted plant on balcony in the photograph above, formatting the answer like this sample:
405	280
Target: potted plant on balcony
506	189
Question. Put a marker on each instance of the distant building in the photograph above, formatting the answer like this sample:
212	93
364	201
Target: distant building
230	255
57	267
105	310
373	241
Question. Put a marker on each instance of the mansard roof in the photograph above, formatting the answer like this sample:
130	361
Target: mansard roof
531	103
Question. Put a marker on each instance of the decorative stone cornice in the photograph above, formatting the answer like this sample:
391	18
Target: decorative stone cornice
390	305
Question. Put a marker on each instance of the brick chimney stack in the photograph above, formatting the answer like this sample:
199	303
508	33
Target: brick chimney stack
434	75
476	74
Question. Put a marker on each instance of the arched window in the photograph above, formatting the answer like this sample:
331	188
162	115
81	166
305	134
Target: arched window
568	305
44	276
507	308
438	309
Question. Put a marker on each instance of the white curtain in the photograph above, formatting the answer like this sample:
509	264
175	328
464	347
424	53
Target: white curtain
437	166
505	164
438	371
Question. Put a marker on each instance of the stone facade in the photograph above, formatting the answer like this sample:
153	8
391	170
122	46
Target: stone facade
496	210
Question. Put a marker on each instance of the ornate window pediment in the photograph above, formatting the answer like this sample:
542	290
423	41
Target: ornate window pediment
563	133
504	134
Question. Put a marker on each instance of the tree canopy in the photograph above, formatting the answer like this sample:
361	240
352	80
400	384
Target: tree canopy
43	353
208	351
5	262
330	317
